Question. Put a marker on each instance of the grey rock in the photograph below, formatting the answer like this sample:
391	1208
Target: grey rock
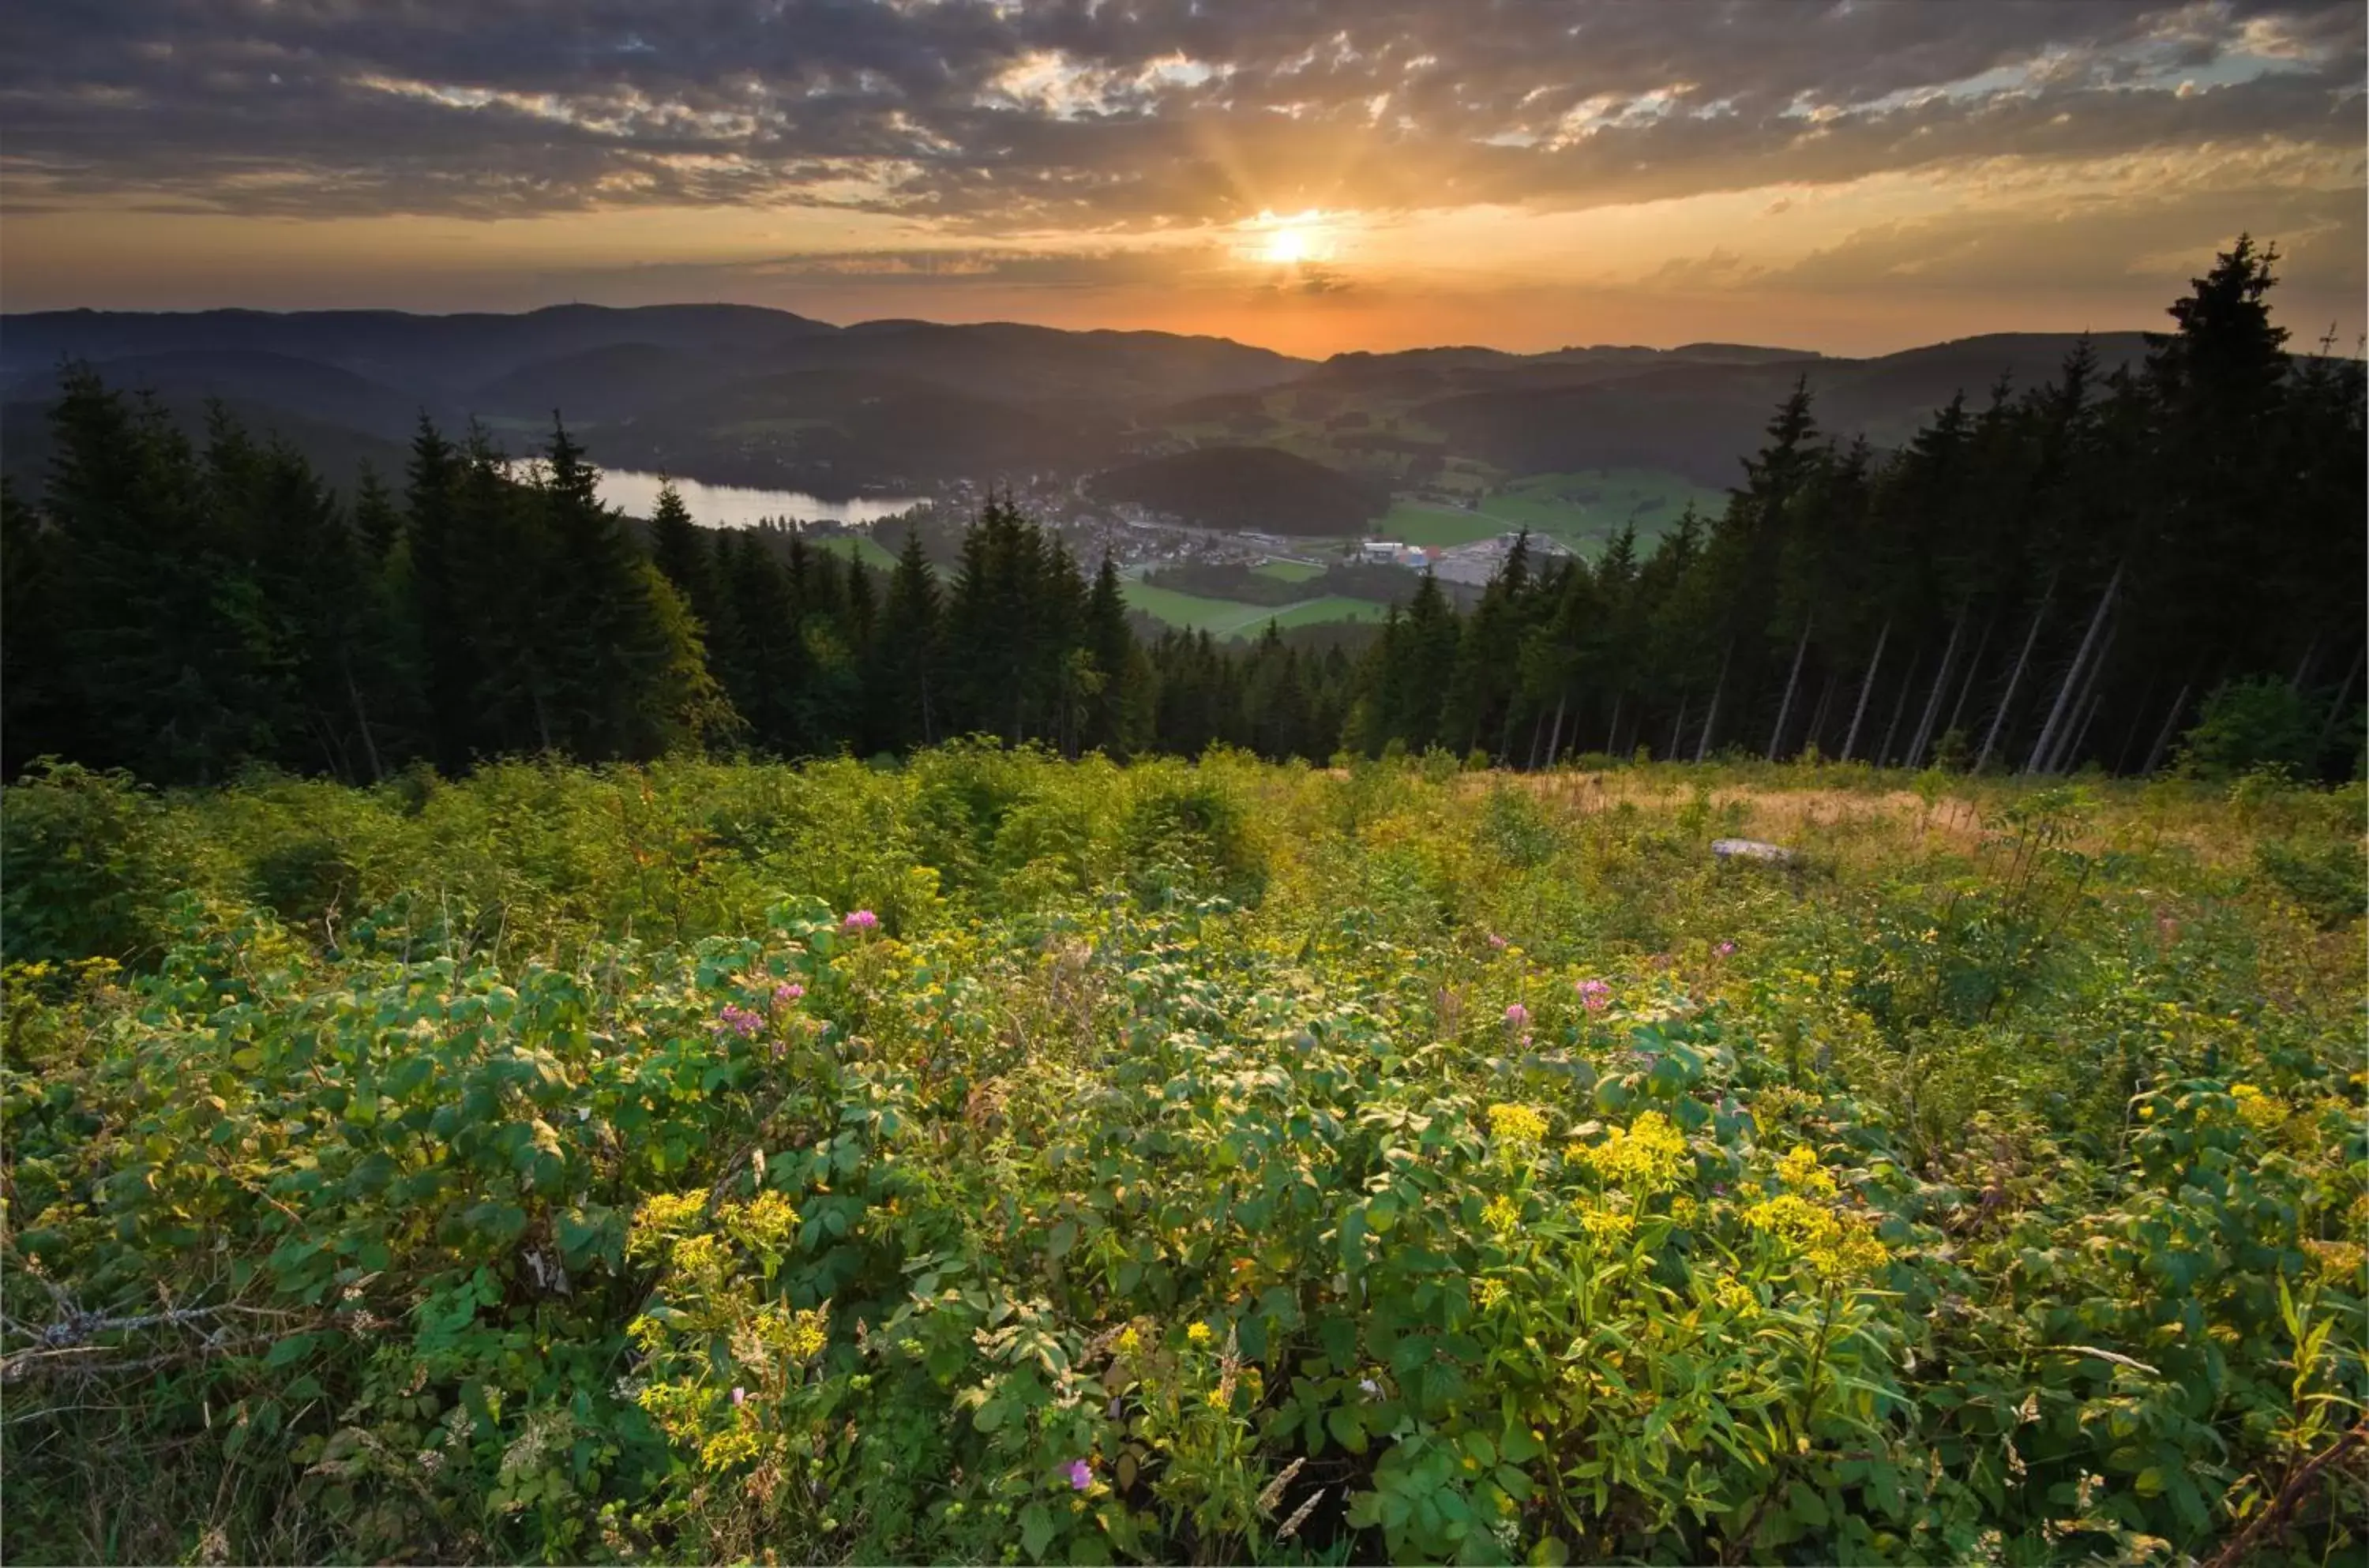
1750	849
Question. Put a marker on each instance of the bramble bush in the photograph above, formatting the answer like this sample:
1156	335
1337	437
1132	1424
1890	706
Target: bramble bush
999	1158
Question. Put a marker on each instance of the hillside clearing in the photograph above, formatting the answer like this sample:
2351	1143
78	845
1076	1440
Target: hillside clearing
988	1133
1231	618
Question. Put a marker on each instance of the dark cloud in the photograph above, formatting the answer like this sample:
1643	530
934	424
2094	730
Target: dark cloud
1116	113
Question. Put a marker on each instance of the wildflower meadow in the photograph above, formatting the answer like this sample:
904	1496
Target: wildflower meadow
995	1159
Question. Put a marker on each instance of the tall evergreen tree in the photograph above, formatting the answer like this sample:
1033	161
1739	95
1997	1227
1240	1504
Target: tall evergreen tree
907	690
445	581
677	549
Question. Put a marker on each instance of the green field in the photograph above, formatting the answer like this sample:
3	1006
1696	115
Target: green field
1579	508
857	547
1288	571
1582	511
1231	618
1316	612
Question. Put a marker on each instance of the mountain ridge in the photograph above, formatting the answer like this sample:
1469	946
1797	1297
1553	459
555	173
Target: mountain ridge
753	395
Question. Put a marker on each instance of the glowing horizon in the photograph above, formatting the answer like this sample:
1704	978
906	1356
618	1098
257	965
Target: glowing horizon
1851	179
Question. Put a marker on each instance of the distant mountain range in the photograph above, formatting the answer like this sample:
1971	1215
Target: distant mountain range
741	394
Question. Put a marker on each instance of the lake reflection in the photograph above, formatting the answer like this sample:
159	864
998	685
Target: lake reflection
735	506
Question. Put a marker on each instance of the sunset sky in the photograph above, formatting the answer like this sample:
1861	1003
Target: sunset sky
1312	175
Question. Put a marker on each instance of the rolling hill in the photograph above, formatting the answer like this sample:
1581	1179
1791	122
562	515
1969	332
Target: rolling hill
597	386
830	432
317	391
1253	487
1698	420
445	354
741	394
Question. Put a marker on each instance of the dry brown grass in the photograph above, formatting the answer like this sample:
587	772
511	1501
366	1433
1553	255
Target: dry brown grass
1852	823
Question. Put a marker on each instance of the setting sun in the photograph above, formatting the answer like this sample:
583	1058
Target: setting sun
1292	241
1286	247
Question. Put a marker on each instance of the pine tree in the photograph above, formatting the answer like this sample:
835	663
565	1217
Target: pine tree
507	609
620	668
319	586
377	520
906	685
442	575
764	668
677	549
157	661
35	719
1111	647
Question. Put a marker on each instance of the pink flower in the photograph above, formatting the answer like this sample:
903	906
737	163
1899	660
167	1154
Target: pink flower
739	1020
739	1395
861	920
1518	1015
1081	1474
1725	950
785	994
1594	995
1496	941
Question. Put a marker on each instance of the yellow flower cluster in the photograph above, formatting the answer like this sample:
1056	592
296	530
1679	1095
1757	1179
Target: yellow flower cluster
1129	1341
727	1449
800	1335
2257	1110
1198	1333
661	1217
1736	1297
1646	1155
1501	1214
1833	1243
675	1408
1685	1211
1516	1127
764	1224
1606	1224
703	1258
1801	1171
809	1334
1490	1292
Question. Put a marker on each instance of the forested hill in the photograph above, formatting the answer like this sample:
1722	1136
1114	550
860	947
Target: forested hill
2163	563
740	395
1246	488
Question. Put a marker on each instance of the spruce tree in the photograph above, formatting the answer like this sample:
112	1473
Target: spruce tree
906	653
157	661
444	579
377	520
35	719
1111	645
677	549
617	664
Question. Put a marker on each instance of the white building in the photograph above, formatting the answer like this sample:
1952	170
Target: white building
1473	565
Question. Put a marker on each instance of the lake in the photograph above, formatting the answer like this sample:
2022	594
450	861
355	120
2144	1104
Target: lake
735	506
